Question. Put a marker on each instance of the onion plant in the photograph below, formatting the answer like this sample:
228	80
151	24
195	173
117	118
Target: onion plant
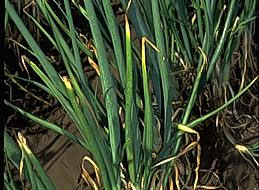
174	36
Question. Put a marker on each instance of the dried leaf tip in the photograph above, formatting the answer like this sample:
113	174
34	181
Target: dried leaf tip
67	82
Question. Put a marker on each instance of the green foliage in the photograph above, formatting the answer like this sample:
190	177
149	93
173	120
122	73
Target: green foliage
181	42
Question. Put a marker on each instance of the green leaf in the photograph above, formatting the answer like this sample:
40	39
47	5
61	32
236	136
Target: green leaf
108	90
